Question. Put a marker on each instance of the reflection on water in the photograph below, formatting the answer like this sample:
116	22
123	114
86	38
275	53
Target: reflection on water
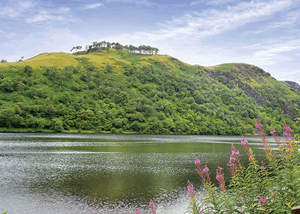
89	173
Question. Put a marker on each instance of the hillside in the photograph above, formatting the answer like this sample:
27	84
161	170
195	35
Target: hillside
121	91
293	85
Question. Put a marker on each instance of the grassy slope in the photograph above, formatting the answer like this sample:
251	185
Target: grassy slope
238	73
101	59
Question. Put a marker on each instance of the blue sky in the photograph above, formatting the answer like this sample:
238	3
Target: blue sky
265	33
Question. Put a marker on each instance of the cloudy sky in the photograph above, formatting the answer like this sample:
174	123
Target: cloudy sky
265	33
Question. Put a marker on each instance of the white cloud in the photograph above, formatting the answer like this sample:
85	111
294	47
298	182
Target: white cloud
142	2
92	6
15	8
212	22
62	10
269	54
43	16
290	73
19	9
289	19
26	4
212	2
50	15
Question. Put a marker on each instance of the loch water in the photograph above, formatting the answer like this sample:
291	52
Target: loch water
107	173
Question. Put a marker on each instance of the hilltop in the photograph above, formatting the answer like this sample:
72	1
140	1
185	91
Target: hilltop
121	91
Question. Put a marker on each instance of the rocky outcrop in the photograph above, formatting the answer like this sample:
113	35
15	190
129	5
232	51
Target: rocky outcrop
293	85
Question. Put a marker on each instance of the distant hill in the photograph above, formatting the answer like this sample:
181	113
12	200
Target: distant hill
293	85
119	91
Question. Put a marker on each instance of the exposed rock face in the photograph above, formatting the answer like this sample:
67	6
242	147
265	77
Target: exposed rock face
293	85
256	83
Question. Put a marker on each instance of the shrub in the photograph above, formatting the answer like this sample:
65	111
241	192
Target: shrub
109	68
28	69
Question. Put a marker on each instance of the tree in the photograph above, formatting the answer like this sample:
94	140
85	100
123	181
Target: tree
119	47
28	70
78	48
140	49
3	60
95	44
103	44
113	45
58	126
21	60
126	47
107	46
7	85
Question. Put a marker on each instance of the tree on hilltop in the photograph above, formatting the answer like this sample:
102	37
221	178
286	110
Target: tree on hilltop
21	60
103	45
107	46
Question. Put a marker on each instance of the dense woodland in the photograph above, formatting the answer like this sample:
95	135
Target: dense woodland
144	95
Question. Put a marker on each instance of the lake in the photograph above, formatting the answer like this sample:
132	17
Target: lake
106	173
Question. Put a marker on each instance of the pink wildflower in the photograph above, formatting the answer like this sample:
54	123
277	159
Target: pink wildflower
137	211
190	189
264	168
263	136
202	172
287	133
220	178
258	126
272	132
206	169
234	161
277	140
206	172
152	207
197	161
244	142
247	149
263	201
200	169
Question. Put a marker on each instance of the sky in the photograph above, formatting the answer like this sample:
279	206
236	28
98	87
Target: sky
265	33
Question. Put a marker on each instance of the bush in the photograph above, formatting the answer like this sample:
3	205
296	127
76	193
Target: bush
7	85
58	126
109	68
28	69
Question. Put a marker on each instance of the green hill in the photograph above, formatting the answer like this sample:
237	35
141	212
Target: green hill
127	92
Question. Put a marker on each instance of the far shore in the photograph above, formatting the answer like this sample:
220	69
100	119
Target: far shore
31	130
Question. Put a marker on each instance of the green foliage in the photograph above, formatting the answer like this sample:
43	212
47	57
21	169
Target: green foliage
109	68
146	94
28	70
58	125
7	85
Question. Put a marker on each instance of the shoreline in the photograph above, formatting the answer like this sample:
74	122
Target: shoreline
30	130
